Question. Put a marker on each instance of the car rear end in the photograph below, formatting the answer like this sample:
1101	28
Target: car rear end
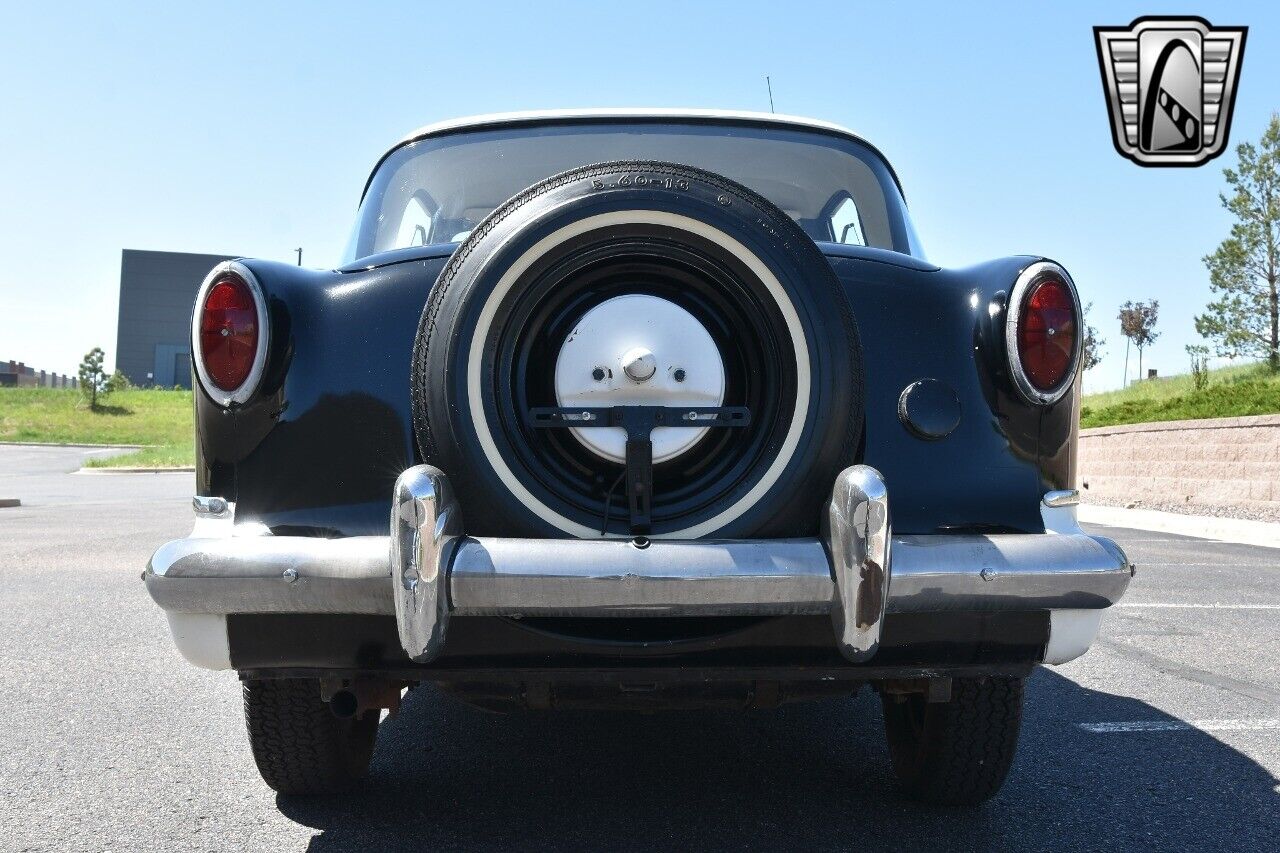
345	548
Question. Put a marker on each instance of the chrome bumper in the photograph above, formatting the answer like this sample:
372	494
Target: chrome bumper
856	571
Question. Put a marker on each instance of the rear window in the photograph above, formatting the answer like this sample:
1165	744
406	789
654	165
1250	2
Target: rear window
437	189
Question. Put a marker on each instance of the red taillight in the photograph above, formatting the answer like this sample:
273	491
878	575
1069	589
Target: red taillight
1047	334
228	332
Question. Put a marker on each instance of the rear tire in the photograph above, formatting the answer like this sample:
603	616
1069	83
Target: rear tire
955	753
298	743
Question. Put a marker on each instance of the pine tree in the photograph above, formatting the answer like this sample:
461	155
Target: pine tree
93	379
1243	270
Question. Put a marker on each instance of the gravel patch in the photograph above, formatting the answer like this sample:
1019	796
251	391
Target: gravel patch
1248	513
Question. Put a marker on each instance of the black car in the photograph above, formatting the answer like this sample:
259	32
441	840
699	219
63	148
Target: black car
636	409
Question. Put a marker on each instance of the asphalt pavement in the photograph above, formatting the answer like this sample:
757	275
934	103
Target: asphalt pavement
1165	736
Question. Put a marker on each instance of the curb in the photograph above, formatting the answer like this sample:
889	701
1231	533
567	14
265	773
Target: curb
1238	422
127	470
73	446
1236	530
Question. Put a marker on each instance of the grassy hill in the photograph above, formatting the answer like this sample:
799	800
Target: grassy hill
1232	391
162	420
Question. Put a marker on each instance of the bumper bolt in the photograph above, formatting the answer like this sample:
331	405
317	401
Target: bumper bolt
679	374
289	575
598	374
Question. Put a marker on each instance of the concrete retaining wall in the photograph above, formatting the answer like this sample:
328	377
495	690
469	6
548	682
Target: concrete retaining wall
1223	461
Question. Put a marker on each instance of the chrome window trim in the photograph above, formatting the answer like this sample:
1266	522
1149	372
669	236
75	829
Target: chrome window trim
245	390
1021	288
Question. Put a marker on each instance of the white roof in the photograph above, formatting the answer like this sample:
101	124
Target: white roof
529	116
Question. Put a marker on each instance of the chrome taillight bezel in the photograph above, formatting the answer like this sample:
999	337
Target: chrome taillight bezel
1026	283
245	389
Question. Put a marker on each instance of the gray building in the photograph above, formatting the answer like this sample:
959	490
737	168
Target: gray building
153	335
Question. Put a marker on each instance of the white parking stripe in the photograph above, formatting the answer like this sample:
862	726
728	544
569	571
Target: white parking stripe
1215	606
1181	726
1237	564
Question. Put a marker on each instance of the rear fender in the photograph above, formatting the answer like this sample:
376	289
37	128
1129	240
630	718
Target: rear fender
318	448
918	321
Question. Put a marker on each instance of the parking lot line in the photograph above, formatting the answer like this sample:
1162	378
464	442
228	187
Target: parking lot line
1180	726
1214	606
1168	564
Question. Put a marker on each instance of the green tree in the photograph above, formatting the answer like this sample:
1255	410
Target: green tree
1199	366
1138	324
118	382
93	379
1092	350
1245	318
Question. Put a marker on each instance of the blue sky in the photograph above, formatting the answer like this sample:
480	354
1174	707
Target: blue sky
250	129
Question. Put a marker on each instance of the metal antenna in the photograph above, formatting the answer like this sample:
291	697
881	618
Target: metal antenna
769	83
299	251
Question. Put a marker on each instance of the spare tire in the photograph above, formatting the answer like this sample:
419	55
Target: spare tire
562	285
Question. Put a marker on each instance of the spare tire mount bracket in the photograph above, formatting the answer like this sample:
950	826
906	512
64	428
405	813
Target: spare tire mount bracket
639	422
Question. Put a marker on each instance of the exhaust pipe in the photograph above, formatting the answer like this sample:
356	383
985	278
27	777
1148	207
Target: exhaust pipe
349	699
344	704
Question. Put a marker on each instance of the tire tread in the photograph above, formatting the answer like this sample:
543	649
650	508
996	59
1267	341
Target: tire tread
300	747
968	744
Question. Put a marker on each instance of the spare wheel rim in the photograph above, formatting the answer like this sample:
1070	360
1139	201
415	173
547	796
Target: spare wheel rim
639	350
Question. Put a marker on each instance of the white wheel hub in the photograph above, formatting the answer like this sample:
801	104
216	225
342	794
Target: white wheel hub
639	350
